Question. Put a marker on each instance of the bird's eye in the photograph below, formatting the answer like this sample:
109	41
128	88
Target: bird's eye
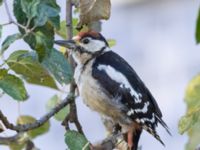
85	41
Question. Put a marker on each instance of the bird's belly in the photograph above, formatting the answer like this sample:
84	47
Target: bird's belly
94	97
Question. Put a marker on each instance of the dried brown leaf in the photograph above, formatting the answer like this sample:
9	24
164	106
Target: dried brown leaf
93	10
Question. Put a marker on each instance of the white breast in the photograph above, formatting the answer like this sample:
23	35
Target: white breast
94	96
77	73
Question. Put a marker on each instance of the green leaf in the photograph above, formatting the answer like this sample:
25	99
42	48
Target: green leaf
43	41
192	96
20	143
1	2
26	64
55	21
58	65
190	123
53	13
9	40
47	17
194	137
17	146
62	32
198	28
76	141
192	117
35	132
1	27
184	124
30	7
111	42
53	102
12	85
47	12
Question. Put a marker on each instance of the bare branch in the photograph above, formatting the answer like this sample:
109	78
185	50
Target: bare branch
13	139
115	140
7	10
19	138
11	20
21	26
38	123
69	19
30	145
72	116
7	23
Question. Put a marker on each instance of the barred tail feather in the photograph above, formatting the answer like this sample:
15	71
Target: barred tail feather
164	125
154	133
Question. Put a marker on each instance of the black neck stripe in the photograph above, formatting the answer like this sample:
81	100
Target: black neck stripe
96	54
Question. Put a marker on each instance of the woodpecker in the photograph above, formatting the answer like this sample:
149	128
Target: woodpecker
110	86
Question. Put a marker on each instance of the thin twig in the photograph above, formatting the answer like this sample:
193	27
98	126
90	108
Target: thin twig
30	145
19	138
28	22
7	11
110	142
7	23
72	116
38	123
69	19
12	139
21	26
11	21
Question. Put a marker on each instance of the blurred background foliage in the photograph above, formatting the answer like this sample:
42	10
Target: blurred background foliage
190	123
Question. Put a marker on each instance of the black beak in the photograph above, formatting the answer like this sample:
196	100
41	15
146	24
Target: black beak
71	44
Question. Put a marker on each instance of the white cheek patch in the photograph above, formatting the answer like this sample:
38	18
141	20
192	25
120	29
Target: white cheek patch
93	45
120	78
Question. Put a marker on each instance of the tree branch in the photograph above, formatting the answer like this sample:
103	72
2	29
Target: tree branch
72	116
38	123
11	21
114	141
19	138
12	139
30	145
7	10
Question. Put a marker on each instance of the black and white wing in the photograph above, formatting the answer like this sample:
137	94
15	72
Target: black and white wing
119	79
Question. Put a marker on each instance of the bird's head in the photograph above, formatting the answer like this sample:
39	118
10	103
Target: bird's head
85	45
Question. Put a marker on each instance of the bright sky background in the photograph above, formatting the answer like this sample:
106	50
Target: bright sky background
157	38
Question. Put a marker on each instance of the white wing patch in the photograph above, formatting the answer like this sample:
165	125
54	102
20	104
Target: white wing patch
143	110
152	120
120	78
130	112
